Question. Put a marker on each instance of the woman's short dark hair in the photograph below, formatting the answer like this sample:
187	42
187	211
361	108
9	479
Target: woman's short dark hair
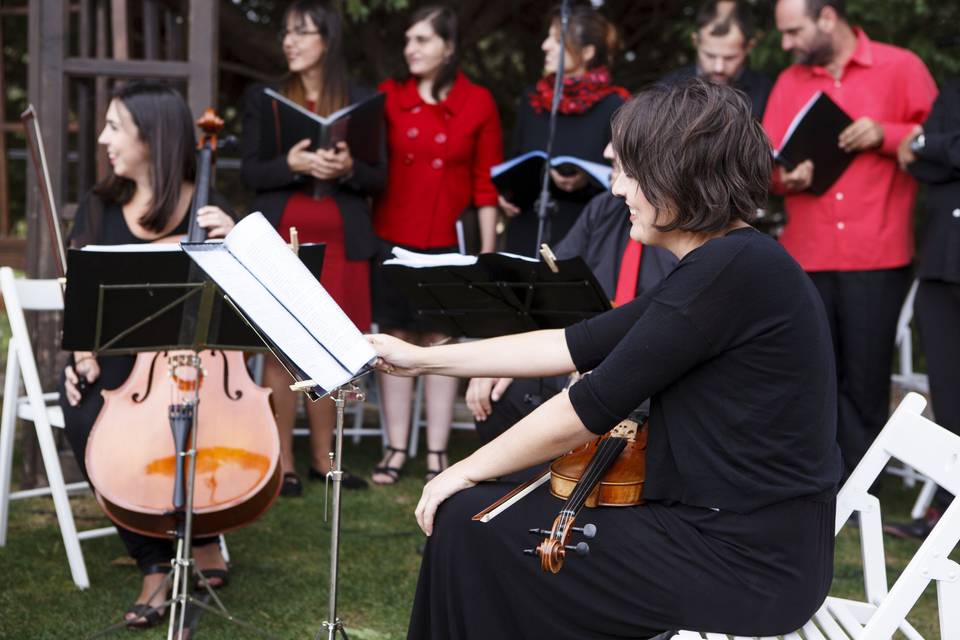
165	126
443	21
334	90
588	27
697	152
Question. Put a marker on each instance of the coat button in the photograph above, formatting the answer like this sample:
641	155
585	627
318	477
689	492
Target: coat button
440	138
956	213
839	195
416	110
840	226
437	163
413	132
408	158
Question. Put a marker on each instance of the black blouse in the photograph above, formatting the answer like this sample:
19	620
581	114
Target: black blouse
734	350
938	164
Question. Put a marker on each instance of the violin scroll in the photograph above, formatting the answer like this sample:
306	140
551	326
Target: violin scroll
555	545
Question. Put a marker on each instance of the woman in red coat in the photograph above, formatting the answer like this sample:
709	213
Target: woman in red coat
443	135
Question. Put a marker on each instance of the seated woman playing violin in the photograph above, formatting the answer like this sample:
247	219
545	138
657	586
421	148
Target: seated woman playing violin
150	143
742	465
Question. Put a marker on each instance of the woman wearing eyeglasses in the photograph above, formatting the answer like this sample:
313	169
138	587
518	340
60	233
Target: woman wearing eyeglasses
287	194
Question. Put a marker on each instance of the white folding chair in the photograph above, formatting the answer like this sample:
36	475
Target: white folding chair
934	451
41	408
909	380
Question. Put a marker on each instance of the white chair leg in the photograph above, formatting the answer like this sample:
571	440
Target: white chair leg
51	464
924	499
223	549
948	599
8	428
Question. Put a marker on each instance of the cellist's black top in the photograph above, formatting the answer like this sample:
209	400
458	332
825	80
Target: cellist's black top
99	221
734	350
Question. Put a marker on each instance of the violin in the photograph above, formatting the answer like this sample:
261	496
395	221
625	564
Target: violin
606	472
133	453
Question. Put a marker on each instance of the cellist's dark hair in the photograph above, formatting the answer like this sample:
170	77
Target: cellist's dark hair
165	126
700	157
443	21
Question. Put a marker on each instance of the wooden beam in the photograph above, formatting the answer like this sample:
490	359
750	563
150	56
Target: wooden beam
151	30
105	67
4	162
118	27
202	55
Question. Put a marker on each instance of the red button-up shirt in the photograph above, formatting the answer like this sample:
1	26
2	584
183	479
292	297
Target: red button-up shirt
439	161
863	221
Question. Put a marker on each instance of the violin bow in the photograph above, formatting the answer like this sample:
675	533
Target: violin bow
37	154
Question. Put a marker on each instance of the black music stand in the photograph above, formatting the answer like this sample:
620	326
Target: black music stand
139	307
501	294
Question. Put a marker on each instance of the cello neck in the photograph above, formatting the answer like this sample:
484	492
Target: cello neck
211	124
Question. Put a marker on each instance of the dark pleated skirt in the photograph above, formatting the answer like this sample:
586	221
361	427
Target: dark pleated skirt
650	569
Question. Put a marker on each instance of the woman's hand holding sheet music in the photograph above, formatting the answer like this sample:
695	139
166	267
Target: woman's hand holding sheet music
799	179
865	133
323	164
396	357
84	364
299	157
905	154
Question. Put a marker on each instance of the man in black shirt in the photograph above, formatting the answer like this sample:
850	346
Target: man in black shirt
723	40
932	155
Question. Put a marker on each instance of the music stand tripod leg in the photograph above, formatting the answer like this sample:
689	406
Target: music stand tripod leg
333	624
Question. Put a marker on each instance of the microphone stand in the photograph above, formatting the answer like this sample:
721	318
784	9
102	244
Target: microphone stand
545	204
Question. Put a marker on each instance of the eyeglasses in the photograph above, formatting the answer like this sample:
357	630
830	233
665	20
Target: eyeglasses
297	33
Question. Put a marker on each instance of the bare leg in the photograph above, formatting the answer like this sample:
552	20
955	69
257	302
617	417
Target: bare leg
440	393
209	557
396	396
284	405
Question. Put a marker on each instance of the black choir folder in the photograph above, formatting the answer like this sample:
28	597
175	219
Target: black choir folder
518	180
495	294
360	125
813	136
285	304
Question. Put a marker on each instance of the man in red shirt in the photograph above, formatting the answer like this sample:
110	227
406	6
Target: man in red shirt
856	239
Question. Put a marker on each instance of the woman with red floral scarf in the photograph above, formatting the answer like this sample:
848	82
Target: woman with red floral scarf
583	120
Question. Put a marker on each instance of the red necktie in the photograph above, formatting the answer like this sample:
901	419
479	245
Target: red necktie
629	273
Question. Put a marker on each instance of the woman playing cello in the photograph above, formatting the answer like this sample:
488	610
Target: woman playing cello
733	349
149	139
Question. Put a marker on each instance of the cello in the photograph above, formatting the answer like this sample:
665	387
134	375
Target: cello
133	454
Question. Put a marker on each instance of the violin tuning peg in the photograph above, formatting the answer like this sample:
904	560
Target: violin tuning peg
588	530
581	548
529	552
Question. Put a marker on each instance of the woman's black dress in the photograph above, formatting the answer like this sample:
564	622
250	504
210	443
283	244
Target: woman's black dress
584	136
734	350
99	222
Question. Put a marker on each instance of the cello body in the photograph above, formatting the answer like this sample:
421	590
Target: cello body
131	459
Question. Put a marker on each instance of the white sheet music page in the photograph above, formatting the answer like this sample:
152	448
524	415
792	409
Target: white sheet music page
271	318
260	249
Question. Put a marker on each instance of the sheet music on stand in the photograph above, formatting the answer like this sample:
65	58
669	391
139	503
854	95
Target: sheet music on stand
494	294
286	305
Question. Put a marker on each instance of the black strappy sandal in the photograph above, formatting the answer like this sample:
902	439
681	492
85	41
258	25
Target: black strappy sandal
441	458
391	472
145	615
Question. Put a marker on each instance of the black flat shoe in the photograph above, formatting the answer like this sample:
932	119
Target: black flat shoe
292	487
145	616
917	529
347	479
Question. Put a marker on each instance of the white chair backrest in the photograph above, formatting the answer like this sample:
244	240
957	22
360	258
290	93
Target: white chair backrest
30	295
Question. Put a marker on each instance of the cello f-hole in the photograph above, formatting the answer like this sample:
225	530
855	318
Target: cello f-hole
226	378
136	397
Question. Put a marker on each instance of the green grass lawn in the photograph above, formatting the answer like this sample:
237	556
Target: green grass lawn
279	572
